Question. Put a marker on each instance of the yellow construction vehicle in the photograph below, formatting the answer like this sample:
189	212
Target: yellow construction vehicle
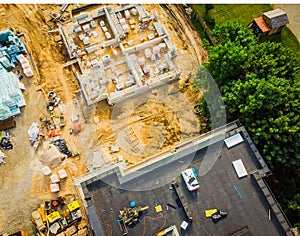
131	215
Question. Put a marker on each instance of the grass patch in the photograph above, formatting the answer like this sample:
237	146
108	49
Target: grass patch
244	13
288	39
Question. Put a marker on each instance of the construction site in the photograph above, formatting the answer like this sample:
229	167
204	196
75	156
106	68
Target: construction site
57	121
96	133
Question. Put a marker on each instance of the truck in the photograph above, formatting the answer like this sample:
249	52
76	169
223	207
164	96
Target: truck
190	178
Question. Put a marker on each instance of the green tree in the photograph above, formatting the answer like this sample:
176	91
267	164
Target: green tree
235	32
225	62
270	110
271	59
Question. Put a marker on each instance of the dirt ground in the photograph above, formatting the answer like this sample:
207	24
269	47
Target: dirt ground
23	186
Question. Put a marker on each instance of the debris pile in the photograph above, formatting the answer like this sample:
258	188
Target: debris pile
61	216
60	143
49	127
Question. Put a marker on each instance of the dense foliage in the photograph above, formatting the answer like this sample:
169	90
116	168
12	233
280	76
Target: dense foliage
260	84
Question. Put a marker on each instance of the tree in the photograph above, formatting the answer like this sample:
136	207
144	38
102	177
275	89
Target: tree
208	7
260	86
233	31
271	59
225	62
270	110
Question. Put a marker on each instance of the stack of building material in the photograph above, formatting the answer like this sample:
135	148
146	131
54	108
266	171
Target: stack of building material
54	178
11	97
46	170
25	65
134	11
93	24
62	174
107	35
162	46
122	21
127	14
141	61
13	46
125	28
146	69
156	50
4	61
148	53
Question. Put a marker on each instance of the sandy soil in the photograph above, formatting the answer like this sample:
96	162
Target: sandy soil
23	186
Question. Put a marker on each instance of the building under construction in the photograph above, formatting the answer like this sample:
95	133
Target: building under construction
121	52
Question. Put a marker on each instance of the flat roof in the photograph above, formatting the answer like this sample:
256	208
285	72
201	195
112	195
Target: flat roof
219	188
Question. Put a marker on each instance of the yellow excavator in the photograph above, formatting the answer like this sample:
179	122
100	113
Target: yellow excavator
131	215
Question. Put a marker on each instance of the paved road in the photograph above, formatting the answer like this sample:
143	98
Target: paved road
292	11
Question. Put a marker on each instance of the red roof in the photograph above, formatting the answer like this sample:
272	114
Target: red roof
262	24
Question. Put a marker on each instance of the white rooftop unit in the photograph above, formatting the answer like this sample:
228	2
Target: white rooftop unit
233	140
239	168
92	48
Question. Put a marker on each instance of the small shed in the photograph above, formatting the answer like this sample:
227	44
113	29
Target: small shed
269	23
